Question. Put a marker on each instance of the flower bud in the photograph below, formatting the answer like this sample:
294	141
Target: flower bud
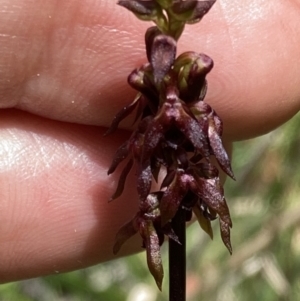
192	69
144	9
190	11
137	76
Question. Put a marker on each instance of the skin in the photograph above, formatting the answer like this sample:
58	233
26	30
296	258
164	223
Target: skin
63	68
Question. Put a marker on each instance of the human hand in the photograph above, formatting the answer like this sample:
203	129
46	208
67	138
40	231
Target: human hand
63	77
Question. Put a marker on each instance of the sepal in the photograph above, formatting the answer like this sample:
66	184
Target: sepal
172	198
225	234
151	243
218	149
162	57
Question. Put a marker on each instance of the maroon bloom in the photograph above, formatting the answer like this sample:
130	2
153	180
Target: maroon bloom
178	134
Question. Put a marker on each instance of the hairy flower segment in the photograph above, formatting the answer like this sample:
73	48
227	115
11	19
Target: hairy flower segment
177	132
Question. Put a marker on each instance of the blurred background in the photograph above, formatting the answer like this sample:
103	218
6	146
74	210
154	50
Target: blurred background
265	265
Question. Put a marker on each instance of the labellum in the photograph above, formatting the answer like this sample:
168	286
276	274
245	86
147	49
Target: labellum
177	132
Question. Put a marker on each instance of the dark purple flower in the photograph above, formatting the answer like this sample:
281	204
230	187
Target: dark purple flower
147	223
178	133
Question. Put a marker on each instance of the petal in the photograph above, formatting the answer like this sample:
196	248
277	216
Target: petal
182	157
206	170
195	131
213	197
196	158
142	104
150	205
120	155
127	231
210	214
204	223
168	179
171	199
122	180
155	168
151	242
211	192
218	124
158	160
167	230
203	91
123	114
140	80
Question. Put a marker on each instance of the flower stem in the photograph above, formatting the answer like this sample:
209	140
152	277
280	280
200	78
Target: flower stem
177	259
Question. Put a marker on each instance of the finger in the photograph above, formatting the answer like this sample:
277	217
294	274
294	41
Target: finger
69	61
55	214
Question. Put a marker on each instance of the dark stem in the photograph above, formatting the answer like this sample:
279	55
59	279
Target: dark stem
177	259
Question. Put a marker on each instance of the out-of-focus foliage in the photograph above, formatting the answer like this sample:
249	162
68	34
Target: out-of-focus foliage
265	264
